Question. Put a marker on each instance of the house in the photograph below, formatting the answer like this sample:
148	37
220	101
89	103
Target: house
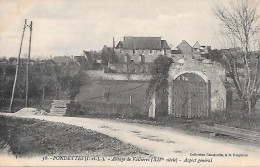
93	59
88	56
63	60
175	51
196	47
141	49
205	49
81	60
185	47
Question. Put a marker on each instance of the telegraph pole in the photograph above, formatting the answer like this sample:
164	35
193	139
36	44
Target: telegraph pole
28	65
17	67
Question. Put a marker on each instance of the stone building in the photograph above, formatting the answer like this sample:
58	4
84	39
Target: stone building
202	49
185	48
141	49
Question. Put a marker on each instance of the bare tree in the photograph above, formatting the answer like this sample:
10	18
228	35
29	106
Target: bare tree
240	27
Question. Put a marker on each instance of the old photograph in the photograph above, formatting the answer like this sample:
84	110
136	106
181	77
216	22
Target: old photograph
130	83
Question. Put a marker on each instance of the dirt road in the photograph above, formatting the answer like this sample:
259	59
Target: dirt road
166	142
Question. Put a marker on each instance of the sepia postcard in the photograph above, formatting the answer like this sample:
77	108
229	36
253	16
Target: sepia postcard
129	83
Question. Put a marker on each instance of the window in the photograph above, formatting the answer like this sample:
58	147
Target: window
142	57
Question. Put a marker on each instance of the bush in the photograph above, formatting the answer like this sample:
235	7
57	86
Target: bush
160	71
233	118
75	109
100	109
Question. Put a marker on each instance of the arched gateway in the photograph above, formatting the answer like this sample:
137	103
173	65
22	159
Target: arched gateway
195	89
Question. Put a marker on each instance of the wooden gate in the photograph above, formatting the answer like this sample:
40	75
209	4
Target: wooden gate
191	98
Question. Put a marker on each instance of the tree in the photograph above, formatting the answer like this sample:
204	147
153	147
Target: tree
70	84
240	28
160	72
108	55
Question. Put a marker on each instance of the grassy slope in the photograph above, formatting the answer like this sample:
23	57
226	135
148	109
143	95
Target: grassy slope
120	92
34	137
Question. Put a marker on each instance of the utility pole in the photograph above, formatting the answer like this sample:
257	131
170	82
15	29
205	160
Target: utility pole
28	65
43	85
17	67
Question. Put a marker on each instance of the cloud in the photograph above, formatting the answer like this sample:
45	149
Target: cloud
10	11
68	27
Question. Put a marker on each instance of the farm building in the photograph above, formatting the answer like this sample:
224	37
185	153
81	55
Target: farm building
141	49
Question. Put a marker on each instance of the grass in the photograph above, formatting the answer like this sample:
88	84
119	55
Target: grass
27	137
20	103
105	110
94	101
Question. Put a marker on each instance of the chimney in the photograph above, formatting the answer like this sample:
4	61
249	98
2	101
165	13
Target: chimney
113	44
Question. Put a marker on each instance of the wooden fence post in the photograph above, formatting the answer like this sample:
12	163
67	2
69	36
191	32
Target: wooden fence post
170	99
130	99
152	106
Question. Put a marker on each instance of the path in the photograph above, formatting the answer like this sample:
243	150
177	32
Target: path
162	141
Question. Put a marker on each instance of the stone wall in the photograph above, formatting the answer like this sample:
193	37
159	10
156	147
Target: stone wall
148	55
97	74
132	68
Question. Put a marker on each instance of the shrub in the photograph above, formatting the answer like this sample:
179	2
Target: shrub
74	109
101	109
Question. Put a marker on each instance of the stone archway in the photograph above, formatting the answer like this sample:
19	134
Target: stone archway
211	73
199	73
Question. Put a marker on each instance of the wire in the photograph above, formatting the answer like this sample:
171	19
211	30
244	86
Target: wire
113	93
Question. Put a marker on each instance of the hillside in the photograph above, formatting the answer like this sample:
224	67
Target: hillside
115	98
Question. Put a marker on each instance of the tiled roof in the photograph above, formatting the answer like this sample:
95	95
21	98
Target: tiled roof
120	45
196	45
184	42
151	43
62	59
164	44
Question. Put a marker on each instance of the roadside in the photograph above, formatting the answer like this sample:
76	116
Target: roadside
162	141
23	137
191	127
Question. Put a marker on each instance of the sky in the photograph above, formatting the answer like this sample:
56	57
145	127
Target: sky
66	27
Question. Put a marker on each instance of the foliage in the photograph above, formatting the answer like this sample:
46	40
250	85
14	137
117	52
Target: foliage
105	110
71	83
108	55
46	81
160	72
74	109
240	29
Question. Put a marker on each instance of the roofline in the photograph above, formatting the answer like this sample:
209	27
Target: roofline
186	42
